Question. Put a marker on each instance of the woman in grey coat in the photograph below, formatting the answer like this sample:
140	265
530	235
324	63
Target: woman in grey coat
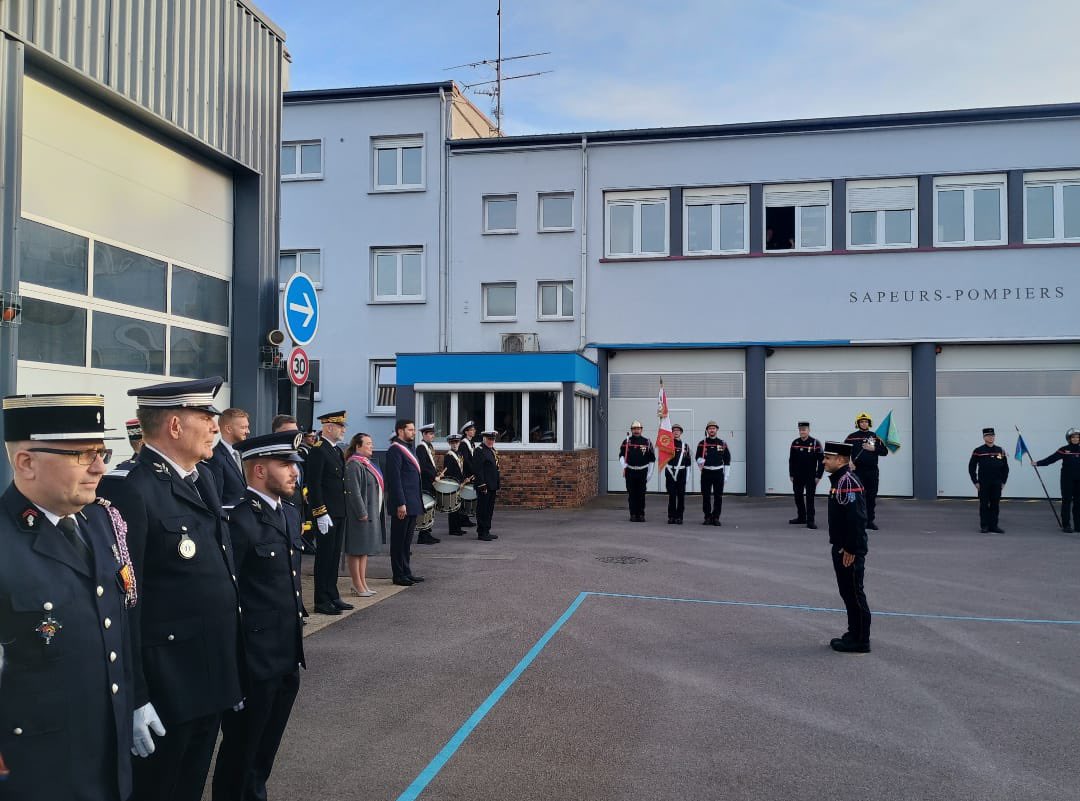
364	502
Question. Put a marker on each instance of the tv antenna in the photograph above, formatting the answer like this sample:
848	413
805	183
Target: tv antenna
494	90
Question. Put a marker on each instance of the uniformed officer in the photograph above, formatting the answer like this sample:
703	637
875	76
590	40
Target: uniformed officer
866	448
805	468
488	481
1070	479
454	469
265	531
989	470
467	451
66	585
187	671
636	458
324	479
714	460
425	454
135	439
675	477
847	536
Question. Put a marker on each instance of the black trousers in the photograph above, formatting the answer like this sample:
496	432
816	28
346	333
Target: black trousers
401	534
250	739
869	478
456	520
849	580
177	769
804	488
636	481
485	510
989	498
1070	497
676	494
712	493
327	557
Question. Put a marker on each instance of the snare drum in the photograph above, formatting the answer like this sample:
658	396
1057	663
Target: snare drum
468	499
446	495
427	520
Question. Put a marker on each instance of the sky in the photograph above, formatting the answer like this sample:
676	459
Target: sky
657	63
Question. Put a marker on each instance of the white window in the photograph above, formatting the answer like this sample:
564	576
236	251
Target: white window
397	163
301	161
526	416
637	223
882	213
500	214
556	211
715	220
1052	206
500	302
383	386
583	421
798	217
969	210
555	300
397	275
308	262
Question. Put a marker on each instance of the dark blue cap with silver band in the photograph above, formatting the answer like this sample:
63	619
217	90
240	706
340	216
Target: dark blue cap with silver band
197	394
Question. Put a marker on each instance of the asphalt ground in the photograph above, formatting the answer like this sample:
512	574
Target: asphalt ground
497	679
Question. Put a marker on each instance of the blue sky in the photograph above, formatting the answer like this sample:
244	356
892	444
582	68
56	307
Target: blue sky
646	63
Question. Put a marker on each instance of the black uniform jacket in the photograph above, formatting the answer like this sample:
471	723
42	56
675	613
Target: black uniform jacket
806	459
847	512
486	465
402	479
467	452
425	454
187	661
989	464
861	458
1069	455
680	463
230	480
714	451
65	699
637	451
452	467
324	478
266	546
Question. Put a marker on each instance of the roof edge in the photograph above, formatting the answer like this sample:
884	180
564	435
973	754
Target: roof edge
366	92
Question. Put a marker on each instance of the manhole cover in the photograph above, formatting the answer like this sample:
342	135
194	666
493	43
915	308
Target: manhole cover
622	560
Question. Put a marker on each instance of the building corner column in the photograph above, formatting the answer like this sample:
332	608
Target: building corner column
924	420
755	420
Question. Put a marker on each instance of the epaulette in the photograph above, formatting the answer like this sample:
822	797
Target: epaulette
255	503
116	474
317	443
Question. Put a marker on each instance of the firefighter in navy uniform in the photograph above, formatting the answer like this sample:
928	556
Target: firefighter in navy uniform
805	468
468	454
1070	479
425	455
265	530
488	483
454	469
324	480
636	457
989	470
675	473
847	538
714	460
866	448
66	588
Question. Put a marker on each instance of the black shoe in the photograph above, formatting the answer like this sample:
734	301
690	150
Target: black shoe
984	530
415	579
716	521
811	524
327	609
671	521
997	530
340	604
457	533
796	521
468	524
402	582
1067	529
485	537
872	526
427	539
678	520
843	638
707	521
850	646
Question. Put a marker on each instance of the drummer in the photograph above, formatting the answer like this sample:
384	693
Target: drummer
454	470
425	455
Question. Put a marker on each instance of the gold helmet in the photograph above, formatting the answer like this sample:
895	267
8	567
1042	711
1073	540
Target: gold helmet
862	416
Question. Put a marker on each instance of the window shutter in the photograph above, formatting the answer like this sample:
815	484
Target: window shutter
718	197
775	197
881	198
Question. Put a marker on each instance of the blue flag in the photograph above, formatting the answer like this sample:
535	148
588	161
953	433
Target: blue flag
1021	448
888	433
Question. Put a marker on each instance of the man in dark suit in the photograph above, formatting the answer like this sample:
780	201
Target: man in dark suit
187	666
324	477
265	531
225	463
403	498
486	465
66	587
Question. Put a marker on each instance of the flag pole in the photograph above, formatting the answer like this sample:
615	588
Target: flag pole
1035	467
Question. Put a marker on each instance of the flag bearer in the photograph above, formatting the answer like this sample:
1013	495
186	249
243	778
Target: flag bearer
1070	478
714	459
866	448
675	477
636	457
989	470
805	468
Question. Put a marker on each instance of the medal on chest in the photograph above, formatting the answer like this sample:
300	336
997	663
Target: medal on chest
186	547
48	628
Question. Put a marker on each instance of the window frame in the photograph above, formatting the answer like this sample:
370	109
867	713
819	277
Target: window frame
489	391
487	318
398	251
884	183
304	176
374	409
398	142
1058	180
968	184
800	187
297	252
561	314
487	229
716	194
637	199
553	229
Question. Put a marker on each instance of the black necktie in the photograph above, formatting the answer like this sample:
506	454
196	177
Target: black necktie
192	479
71	534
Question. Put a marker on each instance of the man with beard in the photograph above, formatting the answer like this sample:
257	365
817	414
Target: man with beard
403	500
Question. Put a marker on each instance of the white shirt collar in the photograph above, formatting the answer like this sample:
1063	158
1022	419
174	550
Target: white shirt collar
179	470
273	503
53	518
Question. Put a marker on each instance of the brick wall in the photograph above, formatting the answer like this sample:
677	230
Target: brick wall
547	479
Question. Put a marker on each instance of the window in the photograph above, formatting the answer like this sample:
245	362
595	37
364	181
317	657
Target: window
555	300
637	223
308	262
383	387
1052	207
398	163
124	343
199	296
500	214
301	161
543	416
471	406
500	302
195	354
398	275
881	214
969	210
797	217
53	258
583	421
436	409
127	277
556	211
715	220
52	333
527	417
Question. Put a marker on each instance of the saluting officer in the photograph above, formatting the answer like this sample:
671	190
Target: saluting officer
714	459
488	482
1070	478
467	451
188	669
425	454
805	468
265	530
66	585
324	480
866	448
847	537
675	477
636	458
989	470
454	469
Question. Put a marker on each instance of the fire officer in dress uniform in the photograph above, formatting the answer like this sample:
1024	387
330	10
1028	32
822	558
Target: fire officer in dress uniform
66	587
675	477
847	537
454	469
1070	479
488	481
714	459
468	452
425	454
866	448
187	667
805	468
989	470
636	458
324	480
265	530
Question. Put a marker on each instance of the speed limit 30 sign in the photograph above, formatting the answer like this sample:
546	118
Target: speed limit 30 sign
299	366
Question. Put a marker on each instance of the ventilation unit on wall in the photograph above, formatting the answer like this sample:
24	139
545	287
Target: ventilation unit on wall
520	343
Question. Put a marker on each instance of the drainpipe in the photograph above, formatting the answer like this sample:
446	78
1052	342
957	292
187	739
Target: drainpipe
584	283
444	263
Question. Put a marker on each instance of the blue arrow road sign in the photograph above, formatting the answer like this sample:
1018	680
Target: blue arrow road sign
301	309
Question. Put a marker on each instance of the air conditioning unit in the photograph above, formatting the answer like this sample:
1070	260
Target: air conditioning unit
520	343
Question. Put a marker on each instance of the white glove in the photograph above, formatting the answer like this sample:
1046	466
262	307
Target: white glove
727	471
622	462
700	462
652	469
144	721
324	523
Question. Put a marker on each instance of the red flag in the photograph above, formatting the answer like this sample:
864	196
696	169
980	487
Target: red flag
665	440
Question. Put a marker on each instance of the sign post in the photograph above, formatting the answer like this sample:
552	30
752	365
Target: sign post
301	303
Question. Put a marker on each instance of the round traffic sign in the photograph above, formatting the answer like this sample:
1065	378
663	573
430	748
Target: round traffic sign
301	309
299	367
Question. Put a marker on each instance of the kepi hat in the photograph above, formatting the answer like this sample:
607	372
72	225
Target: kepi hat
54	417
134	429
197	394
334	417
838	449
283	446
